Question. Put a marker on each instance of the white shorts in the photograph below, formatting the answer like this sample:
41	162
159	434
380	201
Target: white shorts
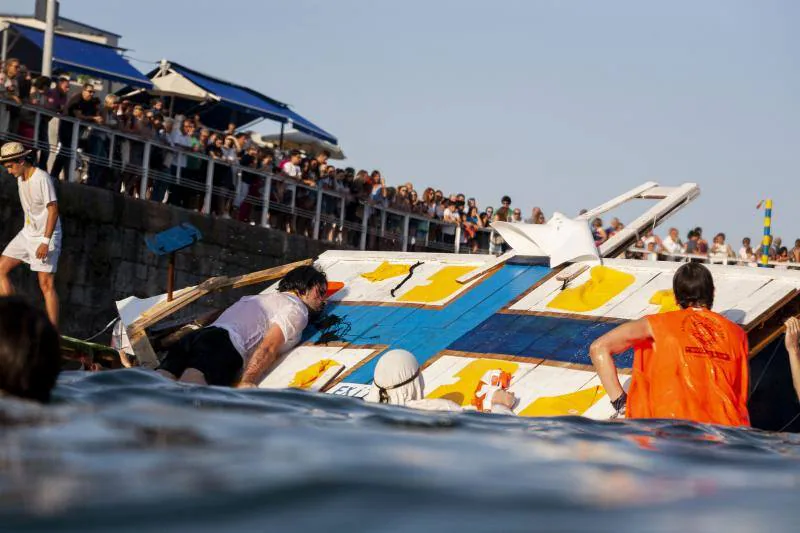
23	247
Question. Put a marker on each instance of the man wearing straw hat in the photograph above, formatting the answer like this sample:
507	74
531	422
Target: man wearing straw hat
39	241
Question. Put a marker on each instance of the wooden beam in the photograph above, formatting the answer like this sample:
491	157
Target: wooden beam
761	333
619	200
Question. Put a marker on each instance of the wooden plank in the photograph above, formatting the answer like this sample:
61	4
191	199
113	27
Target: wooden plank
651	218
618	201
302	357
164	309
326	378
762	333
764	300
657	193
475	274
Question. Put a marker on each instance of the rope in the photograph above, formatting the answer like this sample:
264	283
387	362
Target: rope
113	320
763	373
408	277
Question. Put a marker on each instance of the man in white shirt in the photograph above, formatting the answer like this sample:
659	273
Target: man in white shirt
250	335
292	167
746	252
450	214
672	244
39	241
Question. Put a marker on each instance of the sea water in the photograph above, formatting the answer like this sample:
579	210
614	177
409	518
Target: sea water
130	451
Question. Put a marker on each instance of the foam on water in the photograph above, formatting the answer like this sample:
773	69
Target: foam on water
129	451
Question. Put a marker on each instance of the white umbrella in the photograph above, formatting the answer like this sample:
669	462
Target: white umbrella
297	140
562	239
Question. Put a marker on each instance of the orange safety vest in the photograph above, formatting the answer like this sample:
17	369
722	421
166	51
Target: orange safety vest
694	369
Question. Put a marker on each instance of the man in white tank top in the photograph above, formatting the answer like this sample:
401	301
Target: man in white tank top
247	339
39	241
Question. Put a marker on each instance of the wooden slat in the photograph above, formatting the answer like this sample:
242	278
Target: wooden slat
475	274
618	201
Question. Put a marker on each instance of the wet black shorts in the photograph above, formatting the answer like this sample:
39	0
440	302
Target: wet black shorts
208	350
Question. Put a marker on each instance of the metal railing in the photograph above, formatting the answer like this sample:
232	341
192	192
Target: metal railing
711	259
151	169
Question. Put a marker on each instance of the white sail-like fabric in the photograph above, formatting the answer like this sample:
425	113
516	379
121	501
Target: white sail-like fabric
562	239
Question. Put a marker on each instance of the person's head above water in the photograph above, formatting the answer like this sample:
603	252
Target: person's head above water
397	379
30	353
693	286
308	283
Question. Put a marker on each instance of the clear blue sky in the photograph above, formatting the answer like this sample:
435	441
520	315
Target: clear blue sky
559	104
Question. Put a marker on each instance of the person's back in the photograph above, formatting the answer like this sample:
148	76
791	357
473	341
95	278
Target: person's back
249	318
695	369
689	364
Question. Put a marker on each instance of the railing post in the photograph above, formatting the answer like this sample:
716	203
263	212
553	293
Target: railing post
3	111
265	198
383	223
293	207
111	151
341	235
318	213
458	239
406	220
72	176
209	186
37	119
363	244
145	171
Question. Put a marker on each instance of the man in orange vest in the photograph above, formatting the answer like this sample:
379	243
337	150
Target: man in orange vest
689	364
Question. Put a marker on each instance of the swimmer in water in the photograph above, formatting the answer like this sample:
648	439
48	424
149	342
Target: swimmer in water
689	364
398	381
247	339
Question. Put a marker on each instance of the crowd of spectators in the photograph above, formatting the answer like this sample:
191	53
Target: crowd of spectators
240	165
671	247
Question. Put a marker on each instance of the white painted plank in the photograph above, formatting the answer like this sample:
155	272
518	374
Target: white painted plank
618	201
304	356
545	381
765	298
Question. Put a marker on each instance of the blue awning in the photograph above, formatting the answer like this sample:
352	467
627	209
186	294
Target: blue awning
251	101
85	57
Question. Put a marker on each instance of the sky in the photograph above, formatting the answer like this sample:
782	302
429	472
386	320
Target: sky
559	104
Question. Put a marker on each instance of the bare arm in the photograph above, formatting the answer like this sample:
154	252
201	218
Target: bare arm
263	358
52	217
613	343
792	336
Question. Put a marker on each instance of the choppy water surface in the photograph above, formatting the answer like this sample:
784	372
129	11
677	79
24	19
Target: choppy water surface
131	451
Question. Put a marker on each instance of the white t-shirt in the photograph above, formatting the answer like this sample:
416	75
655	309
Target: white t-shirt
34	194
744	255
291	170
249	319
671	246
449	215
